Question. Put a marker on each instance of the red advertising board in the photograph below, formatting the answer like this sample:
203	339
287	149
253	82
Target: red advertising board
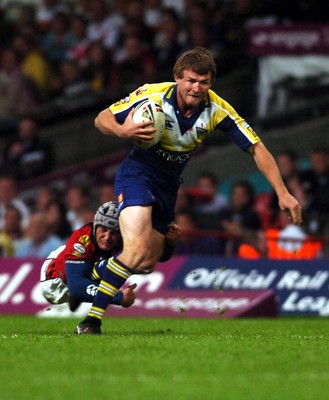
194	286
20	294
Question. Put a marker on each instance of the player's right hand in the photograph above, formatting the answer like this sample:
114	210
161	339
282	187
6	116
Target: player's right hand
143	131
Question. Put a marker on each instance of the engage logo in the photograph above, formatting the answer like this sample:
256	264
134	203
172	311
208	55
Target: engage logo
20	288
10	284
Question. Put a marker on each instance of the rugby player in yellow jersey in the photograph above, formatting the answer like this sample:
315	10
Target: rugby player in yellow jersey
148	180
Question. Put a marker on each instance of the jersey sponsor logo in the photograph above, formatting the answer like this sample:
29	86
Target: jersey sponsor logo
249	128
77	262
169	124
140	91
79	249
85	240
175	157
122	101
92	290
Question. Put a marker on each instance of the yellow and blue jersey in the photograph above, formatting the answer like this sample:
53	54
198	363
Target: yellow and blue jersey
182	135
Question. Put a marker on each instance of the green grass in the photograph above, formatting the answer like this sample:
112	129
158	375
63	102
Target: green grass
165	359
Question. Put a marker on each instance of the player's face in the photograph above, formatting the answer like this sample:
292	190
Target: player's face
192	89
107	239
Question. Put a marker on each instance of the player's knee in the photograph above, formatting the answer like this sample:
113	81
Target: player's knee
133	254
145	268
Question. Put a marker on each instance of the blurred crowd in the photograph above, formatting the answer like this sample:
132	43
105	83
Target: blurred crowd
51	49
251	225
243	223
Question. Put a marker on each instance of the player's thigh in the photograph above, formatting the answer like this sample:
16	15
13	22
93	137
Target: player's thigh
136	224
140	241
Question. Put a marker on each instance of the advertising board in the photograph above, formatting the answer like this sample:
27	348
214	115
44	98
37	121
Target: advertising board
193	286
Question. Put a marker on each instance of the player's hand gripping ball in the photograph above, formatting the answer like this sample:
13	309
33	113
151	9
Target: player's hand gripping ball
148	110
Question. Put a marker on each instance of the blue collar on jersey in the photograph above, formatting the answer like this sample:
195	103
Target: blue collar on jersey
185	123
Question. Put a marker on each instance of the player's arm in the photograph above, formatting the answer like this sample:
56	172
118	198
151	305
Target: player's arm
83	289
79	283
268	166
107	123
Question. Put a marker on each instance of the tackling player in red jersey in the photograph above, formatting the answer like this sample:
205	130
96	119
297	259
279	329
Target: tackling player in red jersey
72	272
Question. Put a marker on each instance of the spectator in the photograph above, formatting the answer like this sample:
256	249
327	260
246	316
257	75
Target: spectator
9	197
17	92
168	43
57	40
315	182
153	14
33	64
70	83
199	35
208	202
105	24
45	196
82	7
287	161
106	191
27	155
134	64
240	217
39	241
79	49
178	5
13	227
134	15
7	29
6	245
196	12
99	67
25	23
46	12
290	241
56	218
253	246
78	206
191	240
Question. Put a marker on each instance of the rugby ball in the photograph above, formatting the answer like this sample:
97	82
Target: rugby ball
149	110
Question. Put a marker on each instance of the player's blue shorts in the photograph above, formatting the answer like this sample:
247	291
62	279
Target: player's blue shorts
137	184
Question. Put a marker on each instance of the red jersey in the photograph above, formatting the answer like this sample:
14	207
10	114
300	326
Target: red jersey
80	247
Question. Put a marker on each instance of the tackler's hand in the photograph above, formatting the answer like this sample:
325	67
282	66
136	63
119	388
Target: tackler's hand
173	234
129	296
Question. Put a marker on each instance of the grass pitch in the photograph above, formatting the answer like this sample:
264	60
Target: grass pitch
165	359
